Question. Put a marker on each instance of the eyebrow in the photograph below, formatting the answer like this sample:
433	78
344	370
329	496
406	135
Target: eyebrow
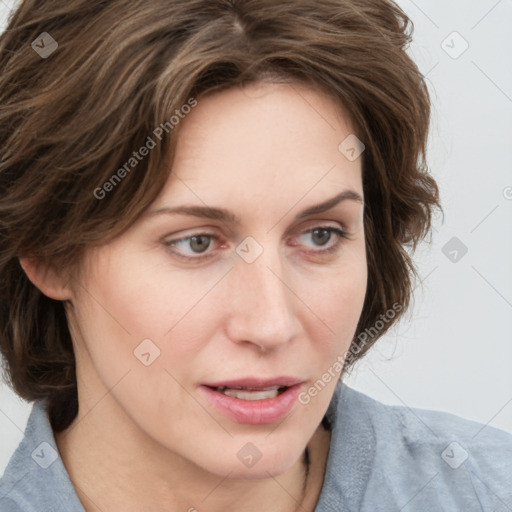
223	215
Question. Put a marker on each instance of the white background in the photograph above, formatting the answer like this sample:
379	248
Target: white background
454	351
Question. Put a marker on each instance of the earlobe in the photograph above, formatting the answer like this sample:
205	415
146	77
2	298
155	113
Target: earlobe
44	277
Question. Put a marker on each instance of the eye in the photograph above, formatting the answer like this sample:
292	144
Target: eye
323	236
196	246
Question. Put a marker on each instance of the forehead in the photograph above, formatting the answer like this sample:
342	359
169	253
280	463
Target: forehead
272	141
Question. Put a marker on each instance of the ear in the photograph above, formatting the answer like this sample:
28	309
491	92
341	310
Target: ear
44	277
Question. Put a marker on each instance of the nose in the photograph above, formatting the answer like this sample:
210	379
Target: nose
263	307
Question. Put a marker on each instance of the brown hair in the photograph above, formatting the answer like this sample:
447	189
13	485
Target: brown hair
69	120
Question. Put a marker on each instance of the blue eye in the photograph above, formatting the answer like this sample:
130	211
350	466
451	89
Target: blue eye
196	247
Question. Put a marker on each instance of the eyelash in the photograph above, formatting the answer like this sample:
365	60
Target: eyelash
342	234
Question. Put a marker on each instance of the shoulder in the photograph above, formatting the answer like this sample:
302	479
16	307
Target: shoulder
445	436
425	458
415	426
35	479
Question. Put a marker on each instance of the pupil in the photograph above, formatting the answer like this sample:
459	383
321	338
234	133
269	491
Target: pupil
321	240
199	243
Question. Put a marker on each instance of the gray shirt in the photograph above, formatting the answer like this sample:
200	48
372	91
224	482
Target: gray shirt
382	458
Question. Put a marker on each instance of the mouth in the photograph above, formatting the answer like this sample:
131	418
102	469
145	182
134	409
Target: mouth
254	401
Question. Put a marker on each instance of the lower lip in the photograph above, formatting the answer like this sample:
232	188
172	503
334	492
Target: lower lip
254	412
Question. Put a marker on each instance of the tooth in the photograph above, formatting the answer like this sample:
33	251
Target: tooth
252	395
222	388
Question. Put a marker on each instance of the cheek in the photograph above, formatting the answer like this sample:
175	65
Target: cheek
109	308
138	292
140	298
338	298
337	303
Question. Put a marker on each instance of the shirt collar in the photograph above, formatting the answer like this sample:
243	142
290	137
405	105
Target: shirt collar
351	452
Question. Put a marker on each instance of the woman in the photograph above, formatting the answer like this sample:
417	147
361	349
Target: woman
206	205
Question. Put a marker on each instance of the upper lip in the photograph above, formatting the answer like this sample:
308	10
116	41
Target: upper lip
255	382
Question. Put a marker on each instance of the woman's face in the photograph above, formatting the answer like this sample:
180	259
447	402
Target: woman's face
245	286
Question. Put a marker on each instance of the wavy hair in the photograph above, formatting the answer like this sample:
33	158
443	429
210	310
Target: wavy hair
120	68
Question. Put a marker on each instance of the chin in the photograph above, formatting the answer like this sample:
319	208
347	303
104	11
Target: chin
251	463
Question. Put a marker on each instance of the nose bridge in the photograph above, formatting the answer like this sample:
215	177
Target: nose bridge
263	309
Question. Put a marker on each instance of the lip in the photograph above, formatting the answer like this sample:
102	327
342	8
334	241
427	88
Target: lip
255	382
254	412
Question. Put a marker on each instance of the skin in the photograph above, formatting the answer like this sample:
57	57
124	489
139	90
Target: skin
145	438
